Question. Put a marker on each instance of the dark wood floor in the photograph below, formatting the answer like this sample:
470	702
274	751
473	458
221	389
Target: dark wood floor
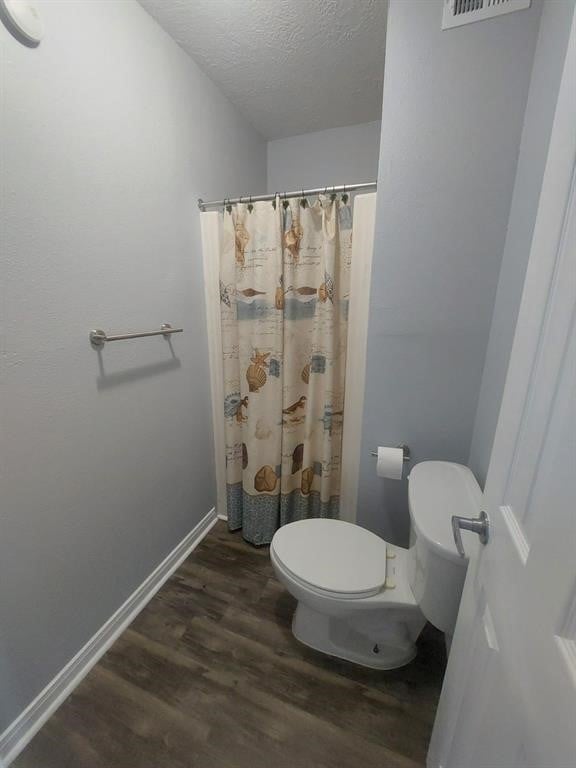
210	676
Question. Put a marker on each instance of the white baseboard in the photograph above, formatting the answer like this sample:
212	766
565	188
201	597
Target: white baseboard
222	517
29	722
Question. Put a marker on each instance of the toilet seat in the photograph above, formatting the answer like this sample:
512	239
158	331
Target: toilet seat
332	557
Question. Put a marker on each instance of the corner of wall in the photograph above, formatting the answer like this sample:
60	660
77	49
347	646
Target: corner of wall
546	72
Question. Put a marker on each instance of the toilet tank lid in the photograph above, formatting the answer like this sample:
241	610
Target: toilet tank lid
436	491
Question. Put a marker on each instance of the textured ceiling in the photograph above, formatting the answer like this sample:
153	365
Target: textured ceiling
291	66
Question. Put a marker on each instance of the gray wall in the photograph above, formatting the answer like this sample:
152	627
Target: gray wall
109	133
452	118
544	85
322	158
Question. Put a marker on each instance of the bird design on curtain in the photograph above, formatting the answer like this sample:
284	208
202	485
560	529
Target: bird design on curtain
284	288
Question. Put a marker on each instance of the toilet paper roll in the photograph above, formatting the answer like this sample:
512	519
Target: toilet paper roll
390	462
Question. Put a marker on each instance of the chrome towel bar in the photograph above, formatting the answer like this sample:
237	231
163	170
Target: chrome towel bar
98	338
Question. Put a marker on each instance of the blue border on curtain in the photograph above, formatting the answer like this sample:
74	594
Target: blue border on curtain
260	516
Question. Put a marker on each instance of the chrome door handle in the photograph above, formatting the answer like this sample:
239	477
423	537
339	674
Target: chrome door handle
479	525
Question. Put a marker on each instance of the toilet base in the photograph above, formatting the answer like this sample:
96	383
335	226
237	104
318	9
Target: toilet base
387	647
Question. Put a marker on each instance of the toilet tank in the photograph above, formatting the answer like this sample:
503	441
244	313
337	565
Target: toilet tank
436	491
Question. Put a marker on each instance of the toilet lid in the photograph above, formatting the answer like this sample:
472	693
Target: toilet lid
332	556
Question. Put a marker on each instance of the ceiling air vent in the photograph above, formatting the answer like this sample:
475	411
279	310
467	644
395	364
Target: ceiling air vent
459	12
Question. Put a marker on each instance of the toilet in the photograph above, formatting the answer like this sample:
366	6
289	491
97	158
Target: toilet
365	600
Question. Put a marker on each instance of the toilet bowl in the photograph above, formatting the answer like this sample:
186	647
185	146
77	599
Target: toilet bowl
365	600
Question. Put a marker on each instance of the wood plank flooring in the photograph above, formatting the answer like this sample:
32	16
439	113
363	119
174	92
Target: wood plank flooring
210	676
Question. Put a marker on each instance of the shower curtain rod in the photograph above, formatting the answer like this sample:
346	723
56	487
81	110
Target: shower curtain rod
301	193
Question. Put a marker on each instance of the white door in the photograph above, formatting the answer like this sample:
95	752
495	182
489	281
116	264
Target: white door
509	695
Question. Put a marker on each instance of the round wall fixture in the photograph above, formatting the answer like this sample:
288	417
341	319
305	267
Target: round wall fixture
22	18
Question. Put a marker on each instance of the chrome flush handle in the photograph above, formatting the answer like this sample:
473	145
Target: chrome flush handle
479	525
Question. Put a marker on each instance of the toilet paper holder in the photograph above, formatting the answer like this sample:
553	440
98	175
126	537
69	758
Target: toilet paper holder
405	450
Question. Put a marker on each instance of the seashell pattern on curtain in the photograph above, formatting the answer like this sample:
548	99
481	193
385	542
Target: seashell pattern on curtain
284	290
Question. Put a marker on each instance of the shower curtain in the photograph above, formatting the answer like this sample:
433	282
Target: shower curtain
284	290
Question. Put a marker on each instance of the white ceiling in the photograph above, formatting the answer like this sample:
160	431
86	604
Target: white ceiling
291	66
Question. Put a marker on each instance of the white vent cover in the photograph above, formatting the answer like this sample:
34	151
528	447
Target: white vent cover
459	12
